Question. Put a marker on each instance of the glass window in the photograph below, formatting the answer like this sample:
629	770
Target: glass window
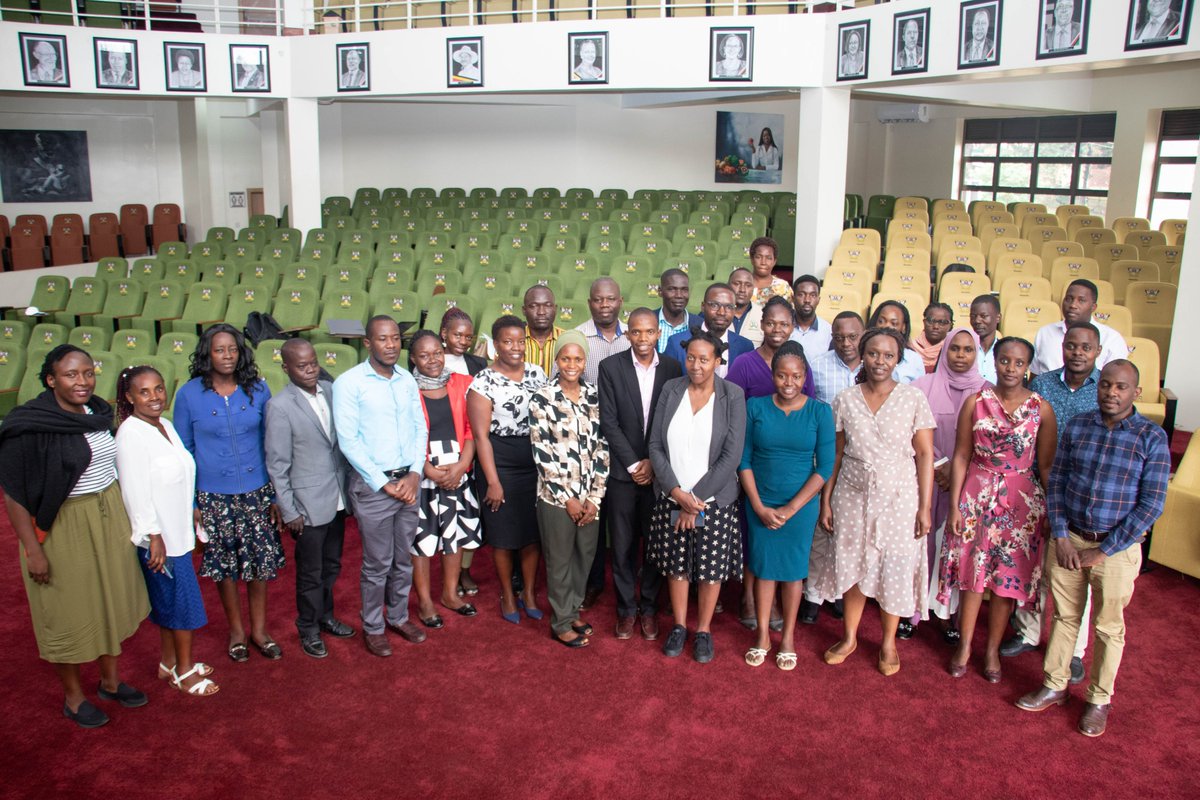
1053	201
1016	149
978	173
1015	173
1056	149
1179	148
1096	149
1094	176
1176	178
979	149
1054	176
1175	165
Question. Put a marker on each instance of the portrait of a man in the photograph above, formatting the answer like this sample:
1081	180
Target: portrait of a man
909	37
116	64
1064	30
852	50
464	66
354	69
979	34
250	68
1158	23
44	60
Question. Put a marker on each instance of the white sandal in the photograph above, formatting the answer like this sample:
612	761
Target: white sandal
755	656
785	661
165	672
201	687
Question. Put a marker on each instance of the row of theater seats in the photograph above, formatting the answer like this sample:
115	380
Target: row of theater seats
29	243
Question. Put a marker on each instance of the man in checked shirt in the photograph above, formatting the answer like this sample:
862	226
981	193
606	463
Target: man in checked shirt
1107	488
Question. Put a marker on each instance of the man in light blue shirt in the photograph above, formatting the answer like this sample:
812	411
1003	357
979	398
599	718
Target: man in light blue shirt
382	432
985	319
812	332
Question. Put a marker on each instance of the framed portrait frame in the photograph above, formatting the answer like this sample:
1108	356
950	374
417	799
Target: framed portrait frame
109	74
723	69
1058	39
464	62
595	73
977	46
353	67
37	69
249	68
192	79
1156	23
910	58
853	50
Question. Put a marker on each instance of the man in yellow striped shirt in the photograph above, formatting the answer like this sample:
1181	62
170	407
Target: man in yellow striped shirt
541	333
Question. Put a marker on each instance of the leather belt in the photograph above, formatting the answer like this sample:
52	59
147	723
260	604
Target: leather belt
1089	536
396	474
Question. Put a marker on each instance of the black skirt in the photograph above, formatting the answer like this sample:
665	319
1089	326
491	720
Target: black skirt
514	525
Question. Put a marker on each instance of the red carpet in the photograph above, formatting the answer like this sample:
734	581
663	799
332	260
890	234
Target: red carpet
485	709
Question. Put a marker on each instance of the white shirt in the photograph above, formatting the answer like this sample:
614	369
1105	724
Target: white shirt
815	339
689	437
158	485
457	364
645	379
320	407
987	362
1047	347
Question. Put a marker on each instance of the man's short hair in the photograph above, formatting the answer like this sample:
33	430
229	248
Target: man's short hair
989	299
718	286
673	272
292	345
805	279
375	320
1125	362
642	311
850	315
534	288
1085	325
1086	284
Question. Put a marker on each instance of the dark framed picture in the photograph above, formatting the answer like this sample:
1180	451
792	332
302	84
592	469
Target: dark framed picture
853	40
587	54
45	166
185	67
1063	28
979	33
44	59
464	62
1157	23
116	63
731	54
354	67
249	68
910	35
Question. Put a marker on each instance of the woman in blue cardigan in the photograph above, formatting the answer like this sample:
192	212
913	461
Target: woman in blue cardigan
219	417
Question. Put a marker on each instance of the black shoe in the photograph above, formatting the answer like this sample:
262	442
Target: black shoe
676	639
1077	673
1015	646
809	611
313	646
838	610
335	627
88	716
518	583
905	630
703	651
125	695
951	636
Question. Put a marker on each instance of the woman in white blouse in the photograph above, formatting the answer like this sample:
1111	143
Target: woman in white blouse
158	483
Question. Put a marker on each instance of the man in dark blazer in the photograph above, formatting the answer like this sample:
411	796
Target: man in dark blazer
718	309
630	384
1062	32
309	474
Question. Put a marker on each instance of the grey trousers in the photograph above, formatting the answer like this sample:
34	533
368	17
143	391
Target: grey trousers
569	550
387	528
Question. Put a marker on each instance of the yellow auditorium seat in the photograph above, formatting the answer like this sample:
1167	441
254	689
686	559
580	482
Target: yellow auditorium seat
861	237
1082	221
949	205
1024	287
912	203
915	302
902	226
917	215
1144	240
911	240
1167	257
1173	229
949	258
1123	273
1035	219
1065	212
1152	306
1012	264
963	284
905	279
1003	245
1156	403
907	258
1051	251
836	299
1065	269
1025	317
1114	316
1039	235
1108	254
1092	238
1020	210
1175	540
1123	226
855	277
852	255
980	207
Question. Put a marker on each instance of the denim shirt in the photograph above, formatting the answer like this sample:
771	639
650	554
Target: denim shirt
224	435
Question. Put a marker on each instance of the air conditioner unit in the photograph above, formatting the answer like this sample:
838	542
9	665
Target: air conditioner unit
903	112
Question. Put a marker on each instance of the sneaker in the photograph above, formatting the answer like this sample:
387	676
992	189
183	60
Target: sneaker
1077	674
676	639
703	652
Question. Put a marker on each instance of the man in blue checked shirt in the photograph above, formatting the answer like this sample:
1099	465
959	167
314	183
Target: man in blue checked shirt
1107	487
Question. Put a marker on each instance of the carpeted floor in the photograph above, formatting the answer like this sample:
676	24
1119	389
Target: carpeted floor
485	709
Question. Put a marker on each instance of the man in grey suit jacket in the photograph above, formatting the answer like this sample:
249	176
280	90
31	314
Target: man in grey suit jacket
309	474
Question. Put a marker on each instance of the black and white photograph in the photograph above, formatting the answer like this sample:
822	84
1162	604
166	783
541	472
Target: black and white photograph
464	62
1063	28
979	34
910	33
45	167
853	40
250	68
354	67
185	67
588	54
116	63
731	54
1157	23
44	59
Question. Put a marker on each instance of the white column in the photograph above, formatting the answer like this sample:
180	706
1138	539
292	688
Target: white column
1181	376
1133	162
303	163
295	14
273	149
824	133
195	142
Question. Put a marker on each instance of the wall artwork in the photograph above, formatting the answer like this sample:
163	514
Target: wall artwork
853	40
44	59
45	167
116	63
1063	28
731	54
1157	23
587	54
354	67
250	68
979	34
185	67
464	62
749	148
910	35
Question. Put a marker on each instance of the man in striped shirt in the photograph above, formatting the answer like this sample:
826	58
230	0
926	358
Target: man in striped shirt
541	333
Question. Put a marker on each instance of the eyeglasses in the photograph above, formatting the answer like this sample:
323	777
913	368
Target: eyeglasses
715	306
938	323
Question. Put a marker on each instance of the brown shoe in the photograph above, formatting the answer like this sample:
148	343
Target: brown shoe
409	631
625	627
377	644
649	627
1094	720
1042	699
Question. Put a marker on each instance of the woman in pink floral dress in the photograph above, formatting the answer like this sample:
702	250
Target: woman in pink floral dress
995	535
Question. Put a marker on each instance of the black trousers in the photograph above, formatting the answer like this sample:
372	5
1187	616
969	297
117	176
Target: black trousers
318	562
595	578
629	507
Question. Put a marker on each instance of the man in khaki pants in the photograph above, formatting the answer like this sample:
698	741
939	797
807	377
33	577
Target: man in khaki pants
1107	487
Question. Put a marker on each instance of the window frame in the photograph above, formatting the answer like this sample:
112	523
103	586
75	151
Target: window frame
1175	126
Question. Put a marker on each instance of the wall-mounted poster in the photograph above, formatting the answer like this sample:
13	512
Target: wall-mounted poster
1063	28
45	167
354	67
979	34
185	67
588	57
1157	23
749	148
464	62
910	32
853	40
116	63
731	54
250	67
44	59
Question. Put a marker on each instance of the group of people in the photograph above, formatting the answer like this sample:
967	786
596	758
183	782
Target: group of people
817	463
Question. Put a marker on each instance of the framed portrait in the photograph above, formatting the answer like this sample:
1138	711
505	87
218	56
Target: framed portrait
731	54
979	33
116	63
1063	28
354	67
853	39
249	68
910	35
464	61
1157	23
44	59
185	67
45	166
587	55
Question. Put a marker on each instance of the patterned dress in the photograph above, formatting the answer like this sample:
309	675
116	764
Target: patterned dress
570	452
1002	504
778	288
448	519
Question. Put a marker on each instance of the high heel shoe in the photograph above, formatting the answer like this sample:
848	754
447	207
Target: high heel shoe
514	617
532	613
956	670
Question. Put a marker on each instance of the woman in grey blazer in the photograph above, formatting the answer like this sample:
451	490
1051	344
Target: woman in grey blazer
696	446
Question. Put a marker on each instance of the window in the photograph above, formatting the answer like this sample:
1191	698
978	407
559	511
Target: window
1174	165
1052	160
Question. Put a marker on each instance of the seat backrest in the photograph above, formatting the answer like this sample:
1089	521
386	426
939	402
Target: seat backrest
1173	229
1024	287
957	284
861	237
90	337
855	255
1168	257
835	299
1026	316
1116	317
134	219
1126	225
1065	212
1108	254
51	292
87	295
1065	269
36	222
1052	250
1144	240
1123	273
1145	356
1081	221
1006	244
1151	303
906	258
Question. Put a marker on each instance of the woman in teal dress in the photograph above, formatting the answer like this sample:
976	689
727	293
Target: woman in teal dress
787	457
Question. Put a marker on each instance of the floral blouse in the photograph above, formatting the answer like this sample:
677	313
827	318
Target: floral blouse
510	399
570	452
778	288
